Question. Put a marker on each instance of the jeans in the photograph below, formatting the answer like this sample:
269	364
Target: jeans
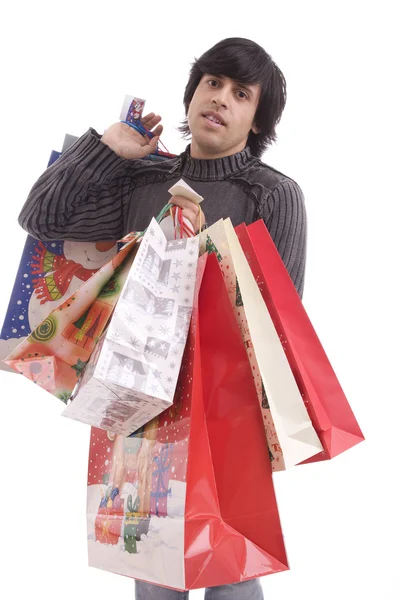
245	590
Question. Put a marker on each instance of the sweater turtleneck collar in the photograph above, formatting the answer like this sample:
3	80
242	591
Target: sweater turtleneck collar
214	169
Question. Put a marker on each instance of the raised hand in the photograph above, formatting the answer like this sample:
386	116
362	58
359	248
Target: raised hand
129	143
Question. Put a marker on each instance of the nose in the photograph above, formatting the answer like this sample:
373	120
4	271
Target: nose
221	97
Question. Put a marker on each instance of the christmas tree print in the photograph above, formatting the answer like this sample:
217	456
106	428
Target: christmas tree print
211	247
80	365
148	262
79	323
91	332
239	301
265	403
64	396
112	286
271	456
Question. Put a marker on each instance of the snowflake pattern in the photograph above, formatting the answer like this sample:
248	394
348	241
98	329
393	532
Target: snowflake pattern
130	319
135	343
115	336
164	330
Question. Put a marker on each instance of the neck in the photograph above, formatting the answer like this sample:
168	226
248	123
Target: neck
202	153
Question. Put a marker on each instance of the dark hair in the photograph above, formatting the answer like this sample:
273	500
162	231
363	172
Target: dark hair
243	61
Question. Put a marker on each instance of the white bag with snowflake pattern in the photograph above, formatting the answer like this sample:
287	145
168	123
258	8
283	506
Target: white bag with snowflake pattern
132	374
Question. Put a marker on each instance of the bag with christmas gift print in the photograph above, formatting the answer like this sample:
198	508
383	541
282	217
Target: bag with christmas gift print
58	348
195	484
289	432
320	389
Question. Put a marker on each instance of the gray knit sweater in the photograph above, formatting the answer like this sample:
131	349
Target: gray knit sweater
90	193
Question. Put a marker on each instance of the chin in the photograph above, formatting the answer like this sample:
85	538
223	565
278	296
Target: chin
209	142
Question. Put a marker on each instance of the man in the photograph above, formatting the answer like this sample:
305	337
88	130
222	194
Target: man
100	189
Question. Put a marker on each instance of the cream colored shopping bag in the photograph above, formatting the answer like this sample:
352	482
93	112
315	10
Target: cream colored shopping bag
297	437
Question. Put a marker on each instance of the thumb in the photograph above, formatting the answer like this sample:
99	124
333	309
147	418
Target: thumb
151	146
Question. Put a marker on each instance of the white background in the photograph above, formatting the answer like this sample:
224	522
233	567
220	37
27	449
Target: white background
67	66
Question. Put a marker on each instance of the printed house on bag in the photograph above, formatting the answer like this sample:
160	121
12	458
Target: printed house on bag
146	302
157	268
127	372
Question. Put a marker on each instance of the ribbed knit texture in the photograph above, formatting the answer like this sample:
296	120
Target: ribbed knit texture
90	193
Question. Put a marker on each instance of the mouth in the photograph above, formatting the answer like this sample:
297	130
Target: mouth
213	119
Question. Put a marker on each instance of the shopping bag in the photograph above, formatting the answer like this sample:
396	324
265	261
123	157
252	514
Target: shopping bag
214	240
132	375
55	353
289	431
48	273
324	398
196	482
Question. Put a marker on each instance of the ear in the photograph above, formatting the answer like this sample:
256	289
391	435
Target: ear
254	128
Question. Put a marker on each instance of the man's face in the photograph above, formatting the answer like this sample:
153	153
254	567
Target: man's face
221	116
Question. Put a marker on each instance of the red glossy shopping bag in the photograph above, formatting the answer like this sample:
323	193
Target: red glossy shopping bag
232	528
328	407
199	507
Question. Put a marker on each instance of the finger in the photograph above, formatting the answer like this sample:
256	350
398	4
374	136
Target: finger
152	145
158	130
179	200
150	117
190	210
147	118
185	203
151	123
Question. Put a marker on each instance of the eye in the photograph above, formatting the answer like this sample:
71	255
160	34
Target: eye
242	95
213	83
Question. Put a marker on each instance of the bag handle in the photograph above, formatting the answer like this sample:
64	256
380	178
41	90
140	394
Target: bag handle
181	224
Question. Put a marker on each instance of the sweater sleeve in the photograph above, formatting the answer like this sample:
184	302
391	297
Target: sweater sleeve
82	196
285	216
